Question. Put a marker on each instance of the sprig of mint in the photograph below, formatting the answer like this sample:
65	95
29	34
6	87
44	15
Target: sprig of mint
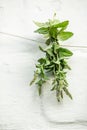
54	62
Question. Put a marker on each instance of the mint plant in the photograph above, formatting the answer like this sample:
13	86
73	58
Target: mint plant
54	63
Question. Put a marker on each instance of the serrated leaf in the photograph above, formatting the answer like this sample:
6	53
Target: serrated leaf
42	30
64	35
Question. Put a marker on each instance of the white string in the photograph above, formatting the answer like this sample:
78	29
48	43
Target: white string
13	35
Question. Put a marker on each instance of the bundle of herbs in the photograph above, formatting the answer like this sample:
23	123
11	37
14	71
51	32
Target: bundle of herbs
55	60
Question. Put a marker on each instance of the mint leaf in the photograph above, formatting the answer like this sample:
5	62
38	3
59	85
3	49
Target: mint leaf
54	63
54	22
67	92
49	51
41	49
63	52
45	25
42	60
65	35
42	30
53	32
62	24
48	41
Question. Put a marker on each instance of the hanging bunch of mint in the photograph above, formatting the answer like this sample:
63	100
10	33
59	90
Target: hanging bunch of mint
54	62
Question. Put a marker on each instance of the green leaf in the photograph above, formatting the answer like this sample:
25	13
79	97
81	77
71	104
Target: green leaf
42	74
55	47
49	51
53	33
46	36
63	52
64	35
58	94
61	94
67	67
53	88
46	24
48	41
67	92
54	22
56	62
39	90
41	49
62	24
35	77
39	24
42	60
64	64
49	67
66	82
47	62
42	30
40	82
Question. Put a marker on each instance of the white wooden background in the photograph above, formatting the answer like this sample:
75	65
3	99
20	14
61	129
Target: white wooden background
20	106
